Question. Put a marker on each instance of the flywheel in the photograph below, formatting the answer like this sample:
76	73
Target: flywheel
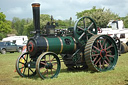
84	28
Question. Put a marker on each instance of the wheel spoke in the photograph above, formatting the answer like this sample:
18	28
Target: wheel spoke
21	62
106	62
90	32
31	70
109	47
47	72
94	51
97	43
107	58
22	67
111	56
49	59
96	48
104	40
98	60
24	71
81	35
101	45
95	58
80	28
53	68
109	51
54	63
43	63
90	26
24	59
103	64
51	72
44	72
87	37
27	57
52	60
100	64
105	46
95	55
84	23
45	58
28	71
42	67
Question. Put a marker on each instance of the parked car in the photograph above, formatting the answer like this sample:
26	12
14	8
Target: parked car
9	47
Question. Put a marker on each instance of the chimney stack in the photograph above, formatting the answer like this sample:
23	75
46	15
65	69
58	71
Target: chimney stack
36	17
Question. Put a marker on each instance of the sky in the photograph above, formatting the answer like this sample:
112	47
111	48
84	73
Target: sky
60	9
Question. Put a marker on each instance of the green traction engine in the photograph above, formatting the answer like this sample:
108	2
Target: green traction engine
79	47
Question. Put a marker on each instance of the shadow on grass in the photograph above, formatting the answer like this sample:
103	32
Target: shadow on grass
126	82
32	77
17	76
36	77
74	70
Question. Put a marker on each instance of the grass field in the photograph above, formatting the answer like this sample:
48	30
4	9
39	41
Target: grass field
118	76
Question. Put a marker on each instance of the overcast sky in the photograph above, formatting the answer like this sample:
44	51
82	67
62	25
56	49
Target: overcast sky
60	9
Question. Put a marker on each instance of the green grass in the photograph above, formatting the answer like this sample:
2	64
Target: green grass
118	76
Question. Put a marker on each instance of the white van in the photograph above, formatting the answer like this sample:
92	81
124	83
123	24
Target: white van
19	40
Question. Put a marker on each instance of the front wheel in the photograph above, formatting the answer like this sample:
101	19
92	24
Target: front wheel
48	65
3	51
25	66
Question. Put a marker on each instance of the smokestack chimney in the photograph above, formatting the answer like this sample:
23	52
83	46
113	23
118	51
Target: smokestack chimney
36	17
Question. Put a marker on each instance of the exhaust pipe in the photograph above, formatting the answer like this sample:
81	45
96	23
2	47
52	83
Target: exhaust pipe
36	18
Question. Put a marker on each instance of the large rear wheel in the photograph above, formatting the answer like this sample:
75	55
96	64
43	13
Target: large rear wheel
101	53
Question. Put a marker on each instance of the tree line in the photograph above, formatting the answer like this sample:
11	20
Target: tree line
23	26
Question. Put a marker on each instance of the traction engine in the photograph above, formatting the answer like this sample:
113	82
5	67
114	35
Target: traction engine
80	48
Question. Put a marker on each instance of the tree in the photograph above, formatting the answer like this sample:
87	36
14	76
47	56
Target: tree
44	18
62	24
28	28
18	24
101	16
125	20
5	26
